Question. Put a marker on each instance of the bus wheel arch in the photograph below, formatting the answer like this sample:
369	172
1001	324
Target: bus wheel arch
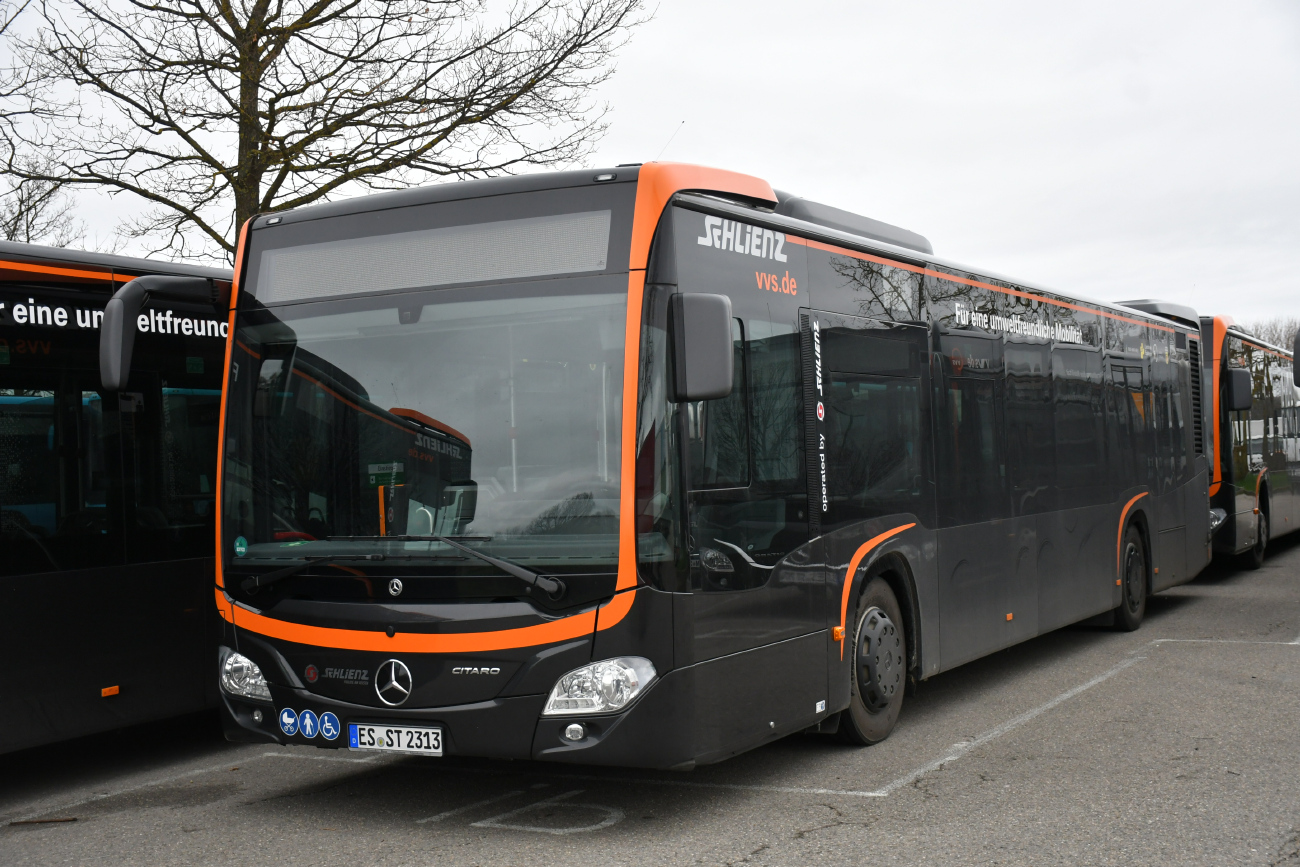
895	571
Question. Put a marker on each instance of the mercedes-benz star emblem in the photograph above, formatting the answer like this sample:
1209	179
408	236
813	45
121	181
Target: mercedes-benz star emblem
395	587
393	682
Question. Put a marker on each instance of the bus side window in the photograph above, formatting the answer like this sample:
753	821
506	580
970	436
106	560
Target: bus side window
1080	427
170	447
56	498
740	533
1030	435
718	430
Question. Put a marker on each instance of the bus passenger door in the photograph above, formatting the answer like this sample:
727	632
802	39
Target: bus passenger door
870	466
758	591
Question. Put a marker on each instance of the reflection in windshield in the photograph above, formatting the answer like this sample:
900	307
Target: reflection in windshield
492	420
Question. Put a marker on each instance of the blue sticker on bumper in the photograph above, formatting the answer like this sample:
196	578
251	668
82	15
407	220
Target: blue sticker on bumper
288	722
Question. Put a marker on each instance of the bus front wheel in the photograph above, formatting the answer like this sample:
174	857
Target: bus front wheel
879	666
1133	583
1254	558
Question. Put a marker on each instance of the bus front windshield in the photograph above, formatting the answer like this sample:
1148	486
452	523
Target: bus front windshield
374	425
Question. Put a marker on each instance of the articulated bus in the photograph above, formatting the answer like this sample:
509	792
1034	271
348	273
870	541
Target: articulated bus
742	465
1255	482
107	500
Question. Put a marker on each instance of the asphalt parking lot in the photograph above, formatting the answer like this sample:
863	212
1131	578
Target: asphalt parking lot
1176	744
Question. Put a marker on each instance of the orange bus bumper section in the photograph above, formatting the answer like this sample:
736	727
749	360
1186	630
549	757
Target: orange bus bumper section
485	690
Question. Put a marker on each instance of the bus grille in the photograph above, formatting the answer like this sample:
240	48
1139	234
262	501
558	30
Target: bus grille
1198	433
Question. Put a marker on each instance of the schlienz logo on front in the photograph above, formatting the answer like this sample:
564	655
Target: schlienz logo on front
740	238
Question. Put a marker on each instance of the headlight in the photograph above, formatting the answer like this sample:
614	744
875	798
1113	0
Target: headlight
241	676
600	687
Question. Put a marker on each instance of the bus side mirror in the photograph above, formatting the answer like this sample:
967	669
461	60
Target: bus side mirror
1239	394
703	345
460	501
117	331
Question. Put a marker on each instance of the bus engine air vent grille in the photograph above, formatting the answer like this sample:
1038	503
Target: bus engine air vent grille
1198	424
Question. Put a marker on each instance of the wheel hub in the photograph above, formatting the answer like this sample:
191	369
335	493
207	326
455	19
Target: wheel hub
879	660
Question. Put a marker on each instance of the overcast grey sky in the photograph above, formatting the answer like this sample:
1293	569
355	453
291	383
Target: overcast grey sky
1113	149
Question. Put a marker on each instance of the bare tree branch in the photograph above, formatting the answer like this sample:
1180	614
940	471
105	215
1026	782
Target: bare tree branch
39	212
215	110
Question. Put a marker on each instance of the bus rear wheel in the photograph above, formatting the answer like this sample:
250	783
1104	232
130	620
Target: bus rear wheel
1133	598
1254	558
879	667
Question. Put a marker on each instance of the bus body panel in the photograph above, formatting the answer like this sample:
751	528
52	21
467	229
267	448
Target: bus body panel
106	503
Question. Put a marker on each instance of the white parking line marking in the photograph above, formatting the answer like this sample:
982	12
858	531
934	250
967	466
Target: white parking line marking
1226	641
465	809
613	815
959	750
364	761
126	790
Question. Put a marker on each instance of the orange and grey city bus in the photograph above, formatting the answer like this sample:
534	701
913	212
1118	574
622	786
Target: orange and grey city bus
107	499
655	464
1255	477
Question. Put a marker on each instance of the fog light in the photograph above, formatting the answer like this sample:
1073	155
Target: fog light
600	687
575	732
240	676
257	716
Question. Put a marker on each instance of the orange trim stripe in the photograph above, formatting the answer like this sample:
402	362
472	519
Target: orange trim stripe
66	272
416	415
563	629
1218	335
659	182
627	574
854	562
225	390
1119	542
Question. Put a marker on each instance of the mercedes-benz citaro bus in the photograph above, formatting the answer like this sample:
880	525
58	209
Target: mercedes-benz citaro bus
652	465
1255	481
107	499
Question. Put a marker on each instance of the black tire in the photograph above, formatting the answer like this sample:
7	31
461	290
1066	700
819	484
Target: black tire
879	666
1254	558
1133	582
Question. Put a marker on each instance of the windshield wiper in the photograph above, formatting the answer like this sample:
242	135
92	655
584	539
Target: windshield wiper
266	580
552	587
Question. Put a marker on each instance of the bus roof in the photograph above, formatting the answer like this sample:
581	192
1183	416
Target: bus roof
62	260
1238	331
800	215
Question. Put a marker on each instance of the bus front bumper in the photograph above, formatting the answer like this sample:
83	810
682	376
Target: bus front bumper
652	733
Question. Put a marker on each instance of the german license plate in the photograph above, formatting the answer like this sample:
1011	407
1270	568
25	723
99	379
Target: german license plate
395	739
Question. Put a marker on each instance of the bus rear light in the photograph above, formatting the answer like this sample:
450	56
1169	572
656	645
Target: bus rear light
240	676
600	687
